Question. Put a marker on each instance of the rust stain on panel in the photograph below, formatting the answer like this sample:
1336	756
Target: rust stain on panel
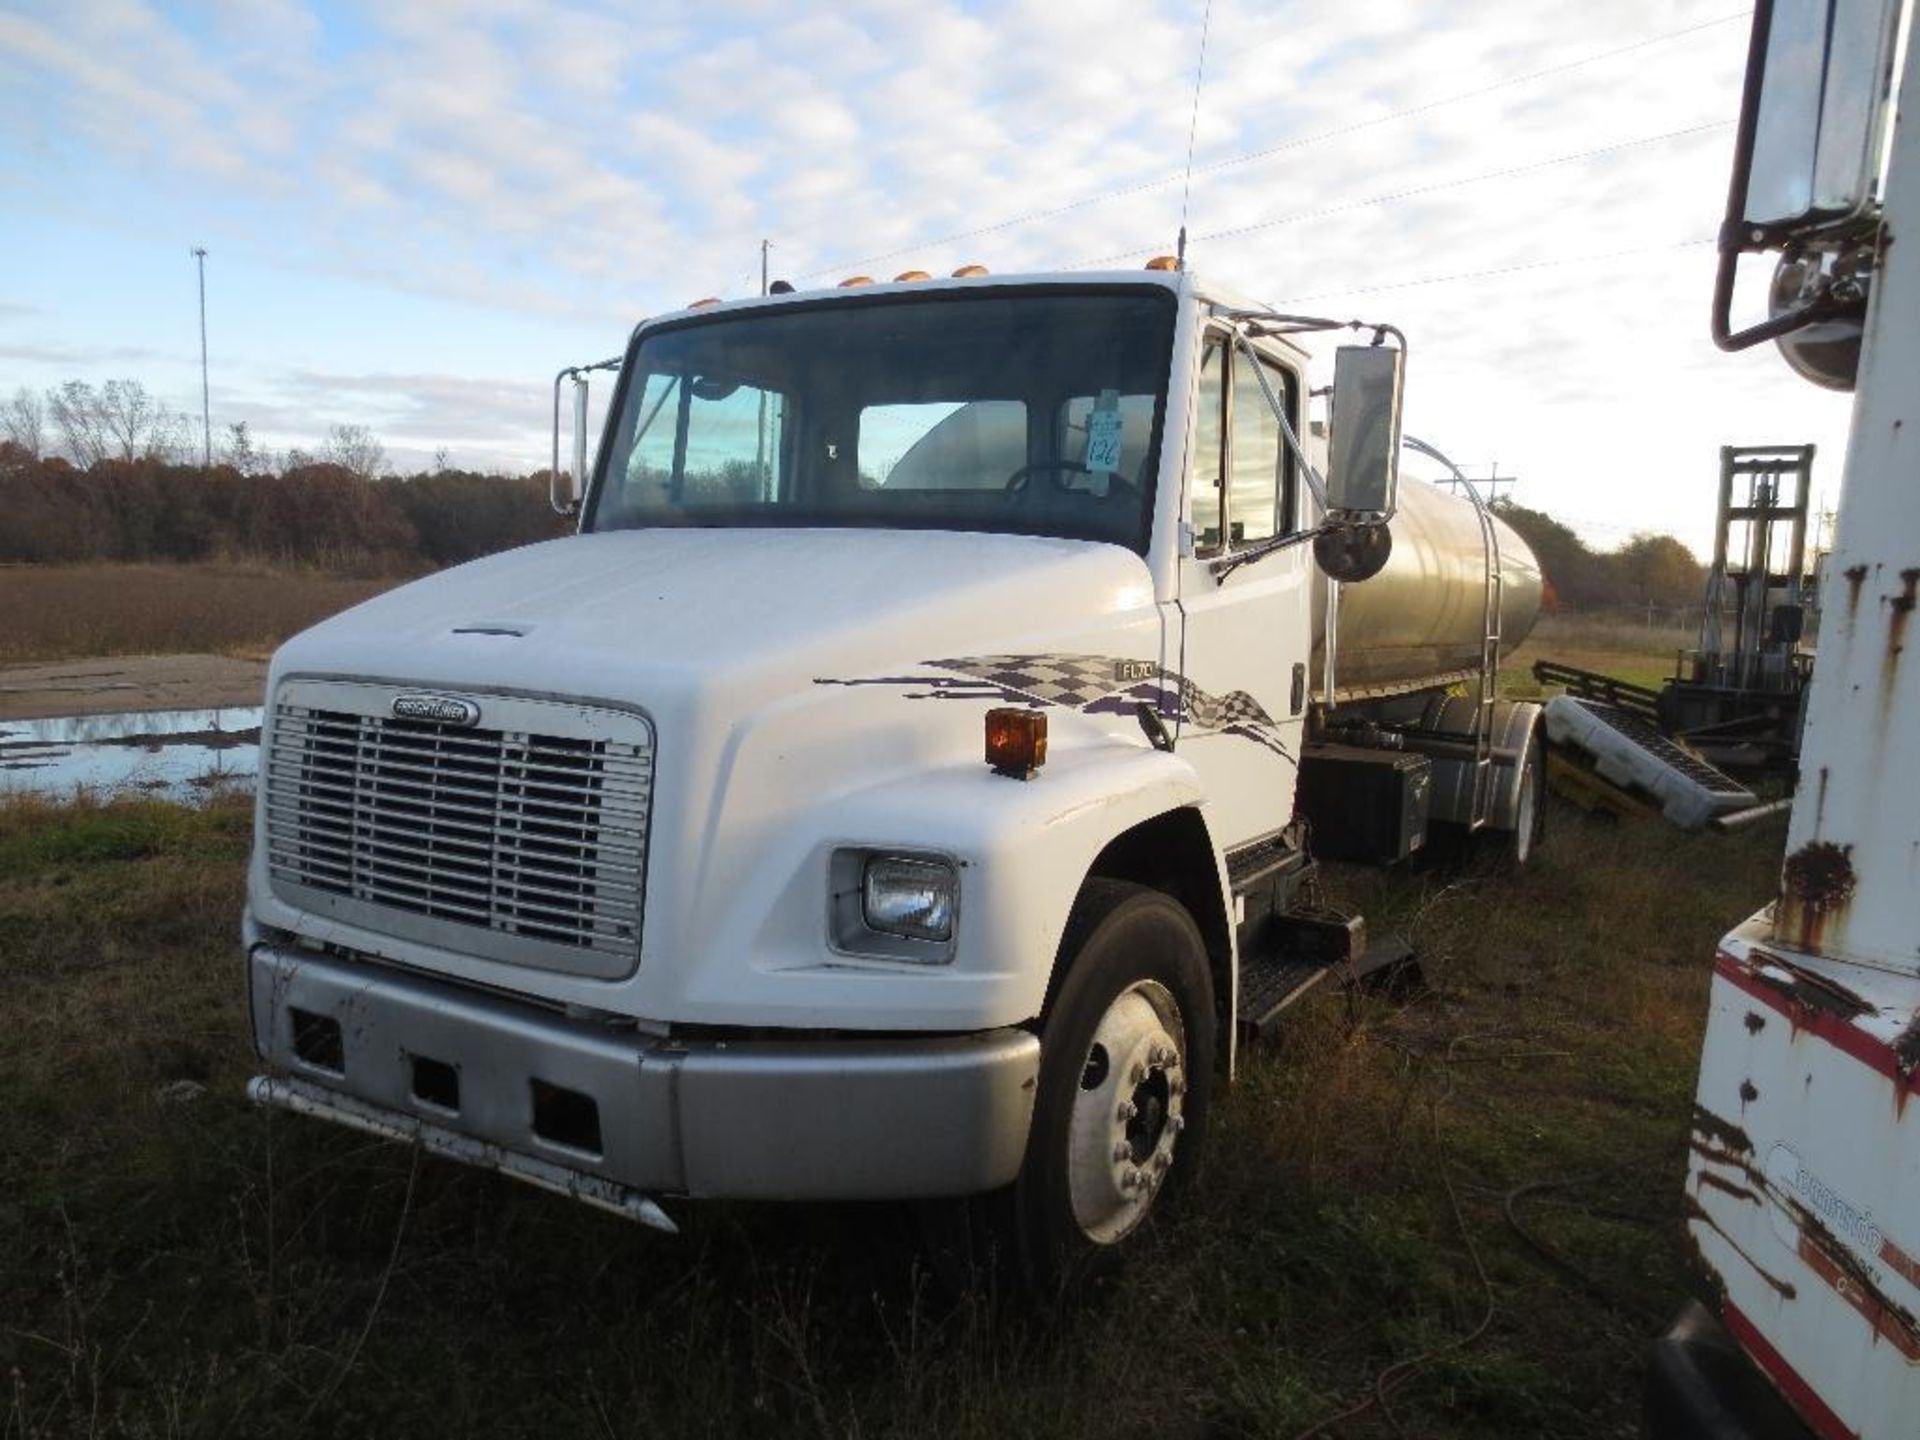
1748	1092
1714	1155
1695	1211
1808	991
1902	607
1906	1049
1856	577
1816	886
1727	1135
1718	1182
1756	1022
1899	1261
1827	1258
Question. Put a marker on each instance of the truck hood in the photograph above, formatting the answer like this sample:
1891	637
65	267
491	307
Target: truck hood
782	674
650	616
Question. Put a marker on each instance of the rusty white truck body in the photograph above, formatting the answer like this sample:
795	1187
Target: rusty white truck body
1803	1188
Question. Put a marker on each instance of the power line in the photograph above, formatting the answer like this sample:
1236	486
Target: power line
1393	196
1048	132
1251	156
1475	94
1496	270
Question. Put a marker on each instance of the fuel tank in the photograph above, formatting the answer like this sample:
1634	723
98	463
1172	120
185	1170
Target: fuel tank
1422	619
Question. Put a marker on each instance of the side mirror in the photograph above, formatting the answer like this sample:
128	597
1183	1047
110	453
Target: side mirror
1363	461
566	488
1806	162
1819	75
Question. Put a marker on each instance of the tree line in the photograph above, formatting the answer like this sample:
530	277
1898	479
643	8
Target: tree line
108	473
1648	570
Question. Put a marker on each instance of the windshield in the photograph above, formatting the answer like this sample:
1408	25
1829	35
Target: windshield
1036	412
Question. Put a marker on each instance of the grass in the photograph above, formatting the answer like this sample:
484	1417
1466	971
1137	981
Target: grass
1623	649
59	612
192	1266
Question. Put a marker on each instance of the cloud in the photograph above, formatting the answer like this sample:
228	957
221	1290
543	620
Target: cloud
579	163
84	356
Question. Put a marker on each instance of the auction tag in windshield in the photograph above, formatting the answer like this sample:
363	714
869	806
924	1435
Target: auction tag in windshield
1103	440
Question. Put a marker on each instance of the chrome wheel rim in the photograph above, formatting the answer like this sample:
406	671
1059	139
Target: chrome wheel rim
1523	820
1128	1112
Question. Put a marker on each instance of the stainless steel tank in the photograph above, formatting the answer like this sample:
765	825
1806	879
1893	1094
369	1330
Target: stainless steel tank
1421	620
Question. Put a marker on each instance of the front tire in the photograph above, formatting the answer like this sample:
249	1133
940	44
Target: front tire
1126	1076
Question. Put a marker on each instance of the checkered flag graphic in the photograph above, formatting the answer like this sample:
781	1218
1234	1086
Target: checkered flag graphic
1222	712
1075	680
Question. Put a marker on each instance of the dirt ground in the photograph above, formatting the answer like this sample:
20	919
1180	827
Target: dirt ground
115	685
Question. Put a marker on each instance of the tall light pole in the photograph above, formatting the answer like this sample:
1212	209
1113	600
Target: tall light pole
206	413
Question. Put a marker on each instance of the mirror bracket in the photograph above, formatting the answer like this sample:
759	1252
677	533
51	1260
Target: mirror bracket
570	500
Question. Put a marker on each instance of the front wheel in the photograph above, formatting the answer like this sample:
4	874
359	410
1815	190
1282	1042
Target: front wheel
1126	1073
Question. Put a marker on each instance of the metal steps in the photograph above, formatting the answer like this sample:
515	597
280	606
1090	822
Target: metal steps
1270	985
1624	749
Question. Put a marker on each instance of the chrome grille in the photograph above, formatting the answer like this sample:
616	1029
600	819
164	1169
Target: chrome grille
536	836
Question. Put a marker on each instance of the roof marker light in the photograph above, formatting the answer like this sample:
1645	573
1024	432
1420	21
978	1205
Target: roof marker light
970	272
853	280
703	304
912	275
1163	262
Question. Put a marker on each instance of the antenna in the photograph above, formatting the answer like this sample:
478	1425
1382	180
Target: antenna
765	246
206	414
1193	125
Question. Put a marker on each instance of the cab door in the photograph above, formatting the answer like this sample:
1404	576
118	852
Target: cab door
1245	634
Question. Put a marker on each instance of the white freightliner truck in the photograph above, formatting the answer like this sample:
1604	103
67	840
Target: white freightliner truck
907	781
1803	1183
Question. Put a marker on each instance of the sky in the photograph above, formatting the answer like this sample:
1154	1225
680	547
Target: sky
416	211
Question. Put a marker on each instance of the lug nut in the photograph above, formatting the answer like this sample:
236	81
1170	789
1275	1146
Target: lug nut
1139	1072
1121	1152
1127	1110
1177	1123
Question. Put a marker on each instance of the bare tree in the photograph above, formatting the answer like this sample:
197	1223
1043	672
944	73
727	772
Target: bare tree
76	411
24	421
354	448
440	460
118	421
171	438
134	420
239	451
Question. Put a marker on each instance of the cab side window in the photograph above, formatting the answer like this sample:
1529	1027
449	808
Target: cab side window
1258	470
1241	486
1204	488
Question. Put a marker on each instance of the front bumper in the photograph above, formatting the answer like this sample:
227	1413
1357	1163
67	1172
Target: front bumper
613	1115
1702	1386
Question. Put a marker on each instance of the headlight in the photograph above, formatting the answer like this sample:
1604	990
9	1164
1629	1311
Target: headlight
909	898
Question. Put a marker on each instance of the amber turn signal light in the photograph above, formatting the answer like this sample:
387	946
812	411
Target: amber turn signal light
1016	741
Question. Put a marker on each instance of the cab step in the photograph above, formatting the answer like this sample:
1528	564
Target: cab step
1270	985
